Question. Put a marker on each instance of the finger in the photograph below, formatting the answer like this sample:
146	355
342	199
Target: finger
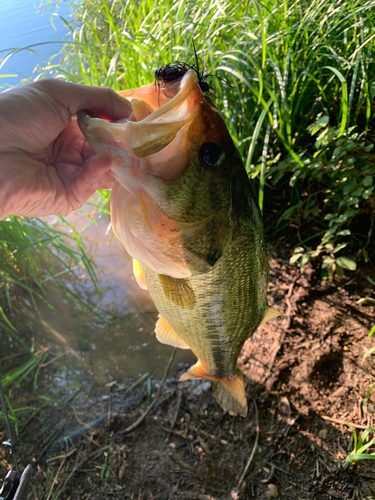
94	175
101	101
106	183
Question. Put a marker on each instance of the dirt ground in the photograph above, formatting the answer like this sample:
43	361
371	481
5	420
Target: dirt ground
305	382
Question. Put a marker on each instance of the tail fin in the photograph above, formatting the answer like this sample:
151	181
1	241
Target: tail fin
228	391
230	394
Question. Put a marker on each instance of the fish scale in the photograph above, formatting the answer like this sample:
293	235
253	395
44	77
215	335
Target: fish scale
184	208
233	283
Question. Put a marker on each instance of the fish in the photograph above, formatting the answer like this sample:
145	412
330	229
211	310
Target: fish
185	209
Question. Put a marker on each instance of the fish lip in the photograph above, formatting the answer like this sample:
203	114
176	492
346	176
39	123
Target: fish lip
136	137
85	116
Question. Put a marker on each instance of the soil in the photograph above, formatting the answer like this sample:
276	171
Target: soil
306	383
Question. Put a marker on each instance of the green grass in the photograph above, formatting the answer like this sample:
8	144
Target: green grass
361	446
35	252
363	443
302	79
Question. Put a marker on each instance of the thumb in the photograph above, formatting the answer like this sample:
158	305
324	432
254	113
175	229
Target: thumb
95	174
74	97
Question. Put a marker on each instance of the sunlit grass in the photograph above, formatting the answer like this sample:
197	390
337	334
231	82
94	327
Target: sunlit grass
288	64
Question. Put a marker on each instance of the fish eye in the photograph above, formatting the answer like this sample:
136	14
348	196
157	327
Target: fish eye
210	153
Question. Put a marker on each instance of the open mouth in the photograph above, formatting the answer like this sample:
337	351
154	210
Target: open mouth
156	114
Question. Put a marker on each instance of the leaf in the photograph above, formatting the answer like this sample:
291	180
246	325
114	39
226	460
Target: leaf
347	263
295	257
367	181
321	123
305	259
327	262
329	216
357	192
366	299
339	247
344	97
367	192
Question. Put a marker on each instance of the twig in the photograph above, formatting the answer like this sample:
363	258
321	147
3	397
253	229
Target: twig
77	417
78	465
288	316
270	475
137	382
109	407
55	478
338	421
175	415
55	359
50	439
34	415
140	420
59	457
91	387
254	447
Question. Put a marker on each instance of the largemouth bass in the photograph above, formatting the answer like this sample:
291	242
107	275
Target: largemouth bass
185	210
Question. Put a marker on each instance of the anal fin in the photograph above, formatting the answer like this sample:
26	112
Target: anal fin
178	291
138	275
166	335
194	372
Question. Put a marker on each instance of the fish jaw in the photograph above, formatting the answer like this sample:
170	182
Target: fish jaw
134	140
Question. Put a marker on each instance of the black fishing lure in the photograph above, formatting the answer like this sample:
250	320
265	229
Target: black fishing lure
170	72
173	71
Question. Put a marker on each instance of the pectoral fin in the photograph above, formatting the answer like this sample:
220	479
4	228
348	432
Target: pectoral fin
178	291
271	313
138	274
166	335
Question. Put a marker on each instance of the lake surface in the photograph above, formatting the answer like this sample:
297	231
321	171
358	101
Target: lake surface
22	25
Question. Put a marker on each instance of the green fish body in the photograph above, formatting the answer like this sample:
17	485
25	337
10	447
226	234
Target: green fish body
185	210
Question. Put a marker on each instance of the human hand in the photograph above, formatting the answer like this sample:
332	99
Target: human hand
46	165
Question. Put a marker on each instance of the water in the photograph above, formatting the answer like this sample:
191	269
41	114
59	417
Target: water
21	26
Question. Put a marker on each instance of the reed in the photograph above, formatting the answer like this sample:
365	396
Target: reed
302	81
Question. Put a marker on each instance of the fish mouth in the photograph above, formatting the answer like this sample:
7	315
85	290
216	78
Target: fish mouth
156	115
